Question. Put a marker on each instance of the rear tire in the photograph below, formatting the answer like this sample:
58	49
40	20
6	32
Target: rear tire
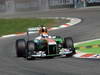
20	47
69	44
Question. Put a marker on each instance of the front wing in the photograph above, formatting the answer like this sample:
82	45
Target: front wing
43	54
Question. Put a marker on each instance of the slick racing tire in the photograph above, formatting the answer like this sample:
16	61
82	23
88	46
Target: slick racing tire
20	47
69	44
30	49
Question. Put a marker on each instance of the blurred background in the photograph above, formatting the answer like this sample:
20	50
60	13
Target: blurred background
44	5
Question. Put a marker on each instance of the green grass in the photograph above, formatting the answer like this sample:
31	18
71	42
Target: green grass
10	26
89	43
90	50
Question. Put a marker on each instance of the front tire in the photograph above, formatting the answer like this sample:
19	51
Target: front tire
69	44
20	47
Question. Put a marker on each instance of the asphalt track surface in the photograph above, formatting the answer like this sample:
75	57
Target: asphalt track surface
87	30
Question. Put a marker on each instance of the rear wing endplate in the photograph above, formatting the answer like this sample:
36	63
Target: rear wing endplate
32	30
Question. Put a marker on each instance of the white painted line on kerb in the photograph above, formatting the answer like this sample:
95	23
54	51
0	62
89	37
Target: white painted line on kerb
6	36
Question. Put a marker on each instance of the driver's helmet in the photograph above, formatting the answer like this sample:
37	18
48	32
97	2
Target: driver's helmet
43	30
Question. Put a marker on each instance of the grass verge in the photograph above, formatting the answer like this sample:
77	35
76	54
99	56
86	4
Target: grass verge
94	48
10	26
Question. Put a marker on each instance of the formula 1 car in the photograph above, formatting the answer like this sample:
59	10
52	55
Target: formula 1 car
44	45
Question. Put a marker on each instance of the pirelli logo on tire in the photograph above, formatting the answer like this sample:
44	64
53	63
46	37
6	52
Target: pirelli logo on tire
87	47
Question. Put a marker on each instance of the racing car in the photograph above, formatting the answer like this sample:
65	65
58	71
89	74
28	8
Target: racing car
44	45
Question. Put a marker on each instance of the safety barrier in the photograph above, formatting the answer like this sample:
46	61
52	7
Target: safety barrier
93	2
2	5
33	5
61	3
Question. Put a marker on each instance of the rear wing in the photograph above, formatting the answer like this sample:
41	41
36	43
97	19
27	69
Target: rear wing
32	30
